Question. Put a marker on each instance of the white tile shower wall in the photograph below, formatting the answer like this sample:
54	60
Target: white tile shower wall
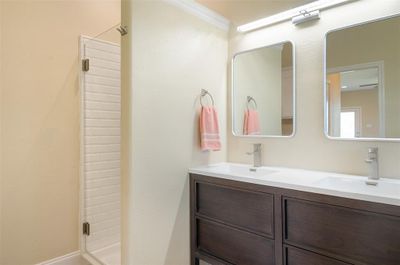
101	153
310	149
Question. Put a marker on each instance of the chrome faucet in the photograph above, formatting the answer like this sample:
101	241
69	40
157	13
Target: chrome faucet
373	162
256	155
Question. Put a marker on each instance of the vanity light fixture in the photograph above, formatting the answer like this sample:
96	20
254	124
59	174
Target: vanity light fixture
298	15
305	16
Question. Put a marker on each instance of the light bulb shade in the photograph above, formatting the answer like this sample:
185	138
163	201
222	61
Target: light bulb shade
292	13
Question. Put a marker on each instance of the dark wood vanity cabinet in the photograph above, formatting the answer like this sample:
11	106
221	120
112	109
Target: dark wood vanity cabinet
232	245
245	209
234	225
355	235
247	224
297	256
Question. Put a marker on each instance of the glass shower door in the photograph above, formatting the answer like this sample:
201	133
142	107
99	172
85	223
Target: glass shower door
100	149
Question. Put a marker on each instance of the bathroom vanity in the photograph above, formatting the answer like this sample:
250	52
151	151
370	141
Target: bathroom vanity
275	216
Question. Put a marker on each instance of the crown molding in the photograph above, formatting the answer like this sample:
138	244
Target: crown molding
202	12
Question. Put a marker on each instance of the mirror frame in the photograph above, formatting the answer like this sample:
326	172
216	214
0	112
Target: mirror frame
294	93
325	72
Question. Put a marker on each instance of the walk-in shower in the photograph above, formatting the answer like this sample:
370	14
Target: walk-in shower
100	87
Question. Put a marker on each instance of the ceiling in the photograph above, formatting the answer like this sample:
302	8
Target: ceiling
361	79
243	11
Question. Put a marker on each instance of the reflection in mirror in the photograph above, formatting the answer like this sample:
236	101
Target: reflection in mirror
362	81
263	91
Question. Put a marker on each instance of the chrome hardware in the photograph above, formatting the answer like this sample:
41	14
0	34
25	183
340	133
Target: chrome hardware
249	100
257	160
85	65
203	94
373	162
86	228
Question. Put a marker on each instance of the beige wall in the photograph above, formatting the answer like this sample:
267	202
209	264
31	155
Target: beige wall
287	55
334	97
367	100
379	41
40	123
175	56
309	148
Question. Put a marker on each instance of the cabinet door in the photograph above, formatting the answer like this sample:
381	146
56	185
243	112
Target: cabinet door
250	210
356	236
294	256
233	245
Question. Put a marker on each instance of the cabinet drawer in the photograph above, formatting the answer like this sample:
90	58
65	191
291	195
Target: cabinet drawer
352	235
294	256
233	245
250	210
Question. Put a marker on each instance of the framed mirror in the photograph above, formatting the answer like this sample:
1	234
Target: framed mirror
362	81
263	92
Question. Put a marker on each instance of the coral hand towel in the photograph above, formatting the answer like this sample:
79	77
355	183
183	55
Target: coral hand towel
251	124
209	129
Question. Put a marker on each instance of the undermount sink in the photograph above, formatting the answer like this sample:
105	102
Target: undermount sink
240	170
384	187
349	186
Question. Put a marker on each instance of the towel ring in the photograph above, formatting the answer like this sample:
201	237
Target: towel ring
203	94
249	100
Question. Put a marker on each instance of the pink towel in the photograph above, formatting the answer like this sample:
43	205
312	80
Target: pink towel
251	124
209	129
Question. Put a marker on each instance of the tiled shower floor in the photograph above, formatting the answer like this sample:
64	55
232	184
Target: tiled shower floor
110	255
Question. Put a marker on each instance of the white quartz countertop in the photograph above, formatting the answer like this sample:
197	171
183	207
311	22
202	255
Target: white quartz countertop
387	191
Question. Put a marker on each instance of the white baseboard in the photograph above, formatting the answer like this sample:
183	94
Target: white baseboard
73	258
